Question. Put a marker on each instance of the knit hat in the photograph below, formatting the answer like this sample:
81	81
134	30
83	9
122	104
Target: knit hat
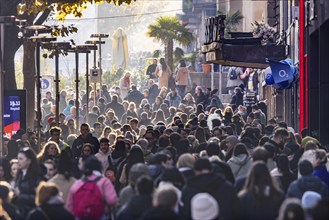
204	206
305	168
310	199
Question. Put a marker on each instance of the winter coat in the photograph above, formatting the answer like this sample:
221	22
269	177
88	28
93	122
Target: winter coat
307	183
63	184
237	99
182	76
50	211
201	99
215	185
126	194
240	165
78	143
105	186
153	93
322	173
135	96
174	100
26	197
136	206
116	107
163	76
260	208
159	213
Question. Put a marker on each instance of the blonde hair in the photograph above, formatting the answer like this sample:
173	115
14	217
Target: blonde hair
44	151
45	191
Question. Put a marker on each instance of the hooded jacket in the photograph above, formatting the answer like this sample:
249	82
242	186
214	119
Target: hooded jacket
307	183
240	165
218	187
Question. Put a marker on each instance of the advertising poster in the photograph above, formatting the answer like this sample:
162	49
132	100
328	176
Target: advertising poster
14	117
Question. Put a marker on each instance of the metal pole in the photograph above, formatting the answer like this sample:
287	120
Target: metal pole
38	84
100	66
220	82
94	83
212	76
87	86
2	42
77	88
57	86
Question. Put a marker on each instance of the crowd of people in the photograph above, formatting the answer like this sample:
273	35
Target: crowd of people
162	153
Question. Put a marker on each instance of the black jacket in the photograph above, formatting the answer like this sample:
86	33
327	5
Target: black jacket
78	143
215	185
260	208
135	208
307	183
153	93
50	212
25	201
159	213
135	96
237	99
116	107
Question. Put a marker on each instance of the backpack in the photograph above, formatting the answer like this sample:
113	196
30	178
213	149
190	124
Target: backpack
233	74
88	200
112	169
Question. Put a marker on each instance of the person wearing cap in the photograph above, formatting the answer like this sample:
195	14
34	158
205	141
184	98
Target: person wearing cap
205	181
307	182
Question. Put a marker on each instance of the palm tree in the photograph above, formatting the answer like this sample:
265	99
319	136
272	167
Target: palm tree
168	29
232	20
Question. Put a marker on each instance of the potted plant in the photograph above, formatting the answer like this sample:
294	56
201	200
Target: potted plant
263	30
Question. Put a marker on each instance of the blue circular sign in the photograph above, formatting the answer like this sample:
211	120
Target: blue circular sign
44	84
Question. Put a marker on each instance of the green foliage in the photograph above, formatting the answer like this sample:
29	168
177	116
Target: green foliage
167	29
232	20
157	53
62	8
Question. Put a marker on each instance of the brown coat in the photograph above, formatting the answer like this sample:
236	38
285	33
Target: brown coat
163	76
182	76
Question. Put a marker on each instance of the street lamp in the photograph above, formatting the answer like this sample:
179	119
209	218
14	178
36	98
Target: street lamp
4	21
76	51
57	47
87	49
38	39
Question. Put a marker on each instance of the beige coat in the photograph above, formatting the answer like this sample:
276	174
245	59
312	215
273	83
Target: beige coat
63	184
163	76
182	76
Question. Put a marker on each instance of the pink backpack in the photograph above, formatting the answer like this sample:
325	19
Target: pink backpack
88	200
